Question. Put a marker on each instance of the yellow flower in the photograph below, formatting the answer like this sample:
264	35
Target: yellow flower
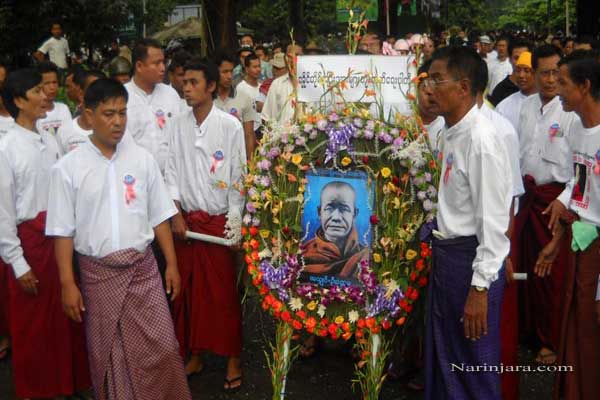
339	320
377	257
396	202
297	159
410	254
386	172
312	306
265	233
346	161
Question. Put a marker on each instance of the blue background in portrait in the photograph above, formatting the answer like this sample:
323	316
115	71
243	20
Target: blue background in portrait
359	181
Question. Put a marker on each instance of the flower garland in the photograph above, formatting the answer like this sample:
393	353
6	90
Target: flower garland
398	163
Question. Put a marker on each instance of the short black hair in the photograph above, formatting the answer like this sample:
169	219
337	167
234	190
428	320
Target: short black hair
17	84
79	75
424	67
210	70
482	76
260	47
103	90
506	38
583	66
249	58
463	63
140	50
92	73
46	67
544	51
223	56
247	35
179	58
518	44
567	39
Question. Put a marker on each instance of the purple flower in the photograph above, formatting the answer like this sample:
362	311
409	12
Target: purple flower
339	139
369	134
358	122
333	117
300	141
371	124
250	207
385	137
274	152
322	124
398	142
385	303
431	191
427	177
264	164
284	137
265	181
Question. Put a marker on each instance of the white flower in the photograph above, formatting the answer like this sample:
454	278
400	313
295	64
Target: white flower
295	304
265	253
353	316
321	310
391	286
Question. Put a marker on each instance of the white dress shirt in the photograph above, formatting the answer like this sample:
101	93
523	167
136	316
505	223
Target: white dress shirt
582	193
72	135
278	105
149	114
107	205
6	123
510	108
509	136
25	161
434	131
240	106
497	72
544	140
475	192
57	50
59	116
206	162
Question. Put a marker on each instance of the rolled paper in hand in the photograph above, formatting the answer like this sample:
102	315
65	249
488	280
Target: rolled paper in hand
209	238
520	276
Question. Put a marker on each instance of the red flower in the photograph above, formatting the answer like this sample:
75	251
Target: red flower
420	264
425	250
374	220
400	321
263	290
346	327
371	322
360	323
347	335
332	328
423	281
324	322
285	230
365	160
414	295
359	333
297	324
322	332
253	231
386	324
254	244
395	180
286	316
244	231
310	323
413	276
375	330
301	314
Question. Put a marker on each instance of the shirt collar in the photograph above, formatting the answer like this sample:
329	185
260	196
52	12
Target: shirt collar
203	127
464	124
546	108
97	151
141	91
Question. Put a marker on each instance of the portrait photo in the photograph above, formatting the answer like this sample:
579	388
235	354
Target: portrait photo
336	226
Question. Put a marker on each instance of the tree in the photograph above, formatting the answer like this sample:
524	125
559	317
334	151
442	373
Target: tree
221	23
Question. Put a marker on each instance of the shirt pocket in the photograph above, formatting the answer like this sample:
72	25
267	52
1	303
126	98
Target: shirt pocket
135	198
553	151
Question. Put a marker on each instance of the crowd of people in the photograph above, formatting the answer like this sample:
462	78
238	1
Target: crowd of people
101	287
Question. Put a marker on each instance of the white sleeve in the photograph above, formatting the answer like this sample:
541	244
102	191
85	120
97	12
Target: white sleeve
491	213
10	244
60	218
269	110
171	173
512	145
235	197
160	204
44	47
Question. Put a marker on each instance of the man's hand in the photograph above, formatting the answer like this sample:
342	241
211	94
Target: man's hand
179	227
555	209
509	270
173	281
475	316
29	283
72	302
546	257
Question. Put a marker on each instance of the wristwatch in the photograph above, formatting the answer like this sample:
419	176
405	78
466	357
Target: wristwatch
480	288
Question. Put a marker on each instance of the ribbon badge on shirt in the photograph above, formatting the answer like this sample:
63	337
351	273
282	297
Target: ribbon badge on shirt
597	165
217	159
554	131
234	112
160	118
129	181
449	162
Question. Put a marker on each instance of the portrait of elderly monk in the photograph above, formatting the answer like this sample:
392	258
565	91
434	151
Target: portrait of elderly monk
335	249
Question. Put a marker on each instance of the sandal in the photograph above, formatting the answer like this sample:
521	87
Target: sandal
228	382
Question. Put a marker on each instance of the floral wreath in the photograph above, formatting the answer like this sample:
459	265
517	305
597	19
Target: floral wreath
400	166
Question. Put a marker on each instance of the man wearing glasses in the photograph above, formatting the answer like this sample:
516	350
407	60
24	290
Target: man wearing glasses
469	248
544	130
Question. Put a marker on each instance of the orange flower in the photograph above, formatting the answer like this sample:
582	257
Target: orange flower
410	96
311	323
292	178
343	85
369	93
400	321
279	169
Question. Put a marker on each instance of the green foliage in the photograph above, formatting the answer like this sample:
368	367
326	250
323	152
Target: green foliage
270	17
469	14
532	15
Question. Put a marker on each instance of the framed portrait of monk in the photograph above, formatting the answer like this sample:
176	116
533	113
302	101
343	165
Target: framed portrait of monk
336	226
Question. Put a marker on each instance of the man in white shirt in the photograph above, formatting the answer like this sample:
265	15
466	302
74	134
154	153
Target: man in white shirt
108	201
152	104
279	105
580	92
509	85
502	67
433	123
250	85
56	48
544	130
58	114
42	337
72	135
510	107
204	171
175	74
467	277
